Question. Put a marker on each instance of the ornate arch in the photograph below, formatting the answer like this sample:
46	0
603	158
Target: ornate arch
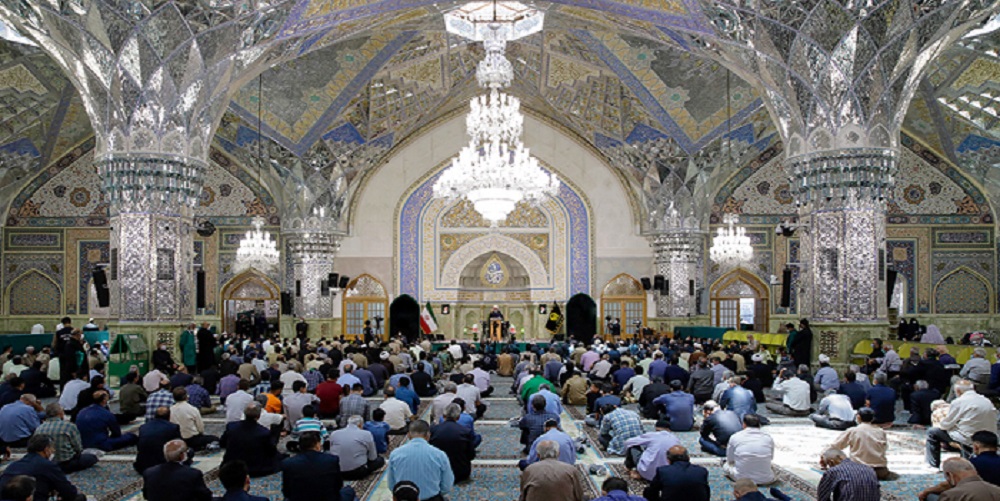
726	292
739	275
963	291
623	285
452	270
364	299
250	284
33	293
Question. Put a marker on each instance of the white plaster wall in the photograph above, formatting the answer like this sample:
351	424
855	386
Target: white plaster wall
618	247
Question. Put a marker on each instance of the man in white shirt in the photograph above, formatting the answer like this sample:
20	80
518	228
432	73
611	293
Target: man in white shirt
238	401
469	393
835	413
151	381
288	378
455	351
14	366
891	363
749	453
188	418
71	392
397	413
441	401
356	449
970	412
639	381
796	401
482	379
601	369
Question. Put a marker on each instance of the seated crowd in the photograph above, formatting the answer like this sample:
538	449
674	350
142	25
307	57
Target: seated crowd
324	413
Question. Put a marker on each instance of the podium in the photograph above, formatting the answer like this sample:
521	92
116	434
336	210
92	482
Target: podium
496	330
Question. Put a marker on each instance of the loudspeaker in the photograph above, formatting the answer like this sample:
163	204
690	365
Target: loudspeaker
344	280
199	289
286	303
332	279
101	284
646	284
324	288
786	288
690	287
890	284
658	282
298	288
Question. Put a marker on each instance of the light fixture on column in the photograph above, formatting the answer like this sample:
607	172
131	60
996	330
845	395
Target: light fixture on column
731	245
495	171
257	249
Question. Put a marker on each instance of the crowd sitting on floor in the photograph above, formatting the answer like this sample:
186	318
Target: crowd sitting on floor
324	412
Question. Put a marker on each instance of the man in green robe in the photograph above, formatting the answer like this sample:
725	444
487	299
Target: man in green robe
188	348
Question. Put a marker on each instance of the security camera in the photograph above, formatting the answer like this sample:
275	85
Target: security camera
775	280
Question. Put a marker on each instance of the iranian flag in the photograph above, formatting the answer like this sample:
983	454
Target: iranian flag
428	323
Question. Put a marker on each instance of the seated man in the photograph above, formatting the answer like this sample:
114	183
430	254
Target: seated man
970	412
19	420
679	479
868	444
616	489
549	478
853	389
647	452
882	400
532	424
677	407
234	478
153	435
397	413
985	461
66	440
312	475
356	449
617	426
188	417
846	480
456	441
379	430
421	463
19	488
835	412
738	398
174	480
795	400
718	427
48	477
249	441
567	447
750	453
99	429
746	490
920	403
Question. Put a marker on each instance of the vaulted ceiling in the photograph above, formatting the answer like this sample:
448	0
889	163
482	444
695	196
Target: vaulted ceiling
609	77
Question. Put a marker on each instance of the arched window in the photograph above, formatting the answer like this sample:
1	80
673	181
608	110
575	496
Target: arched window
623	298
364	299
739	301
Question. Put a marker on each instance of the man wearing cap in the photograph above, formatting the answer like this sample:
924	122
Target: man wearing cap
826	377
647	452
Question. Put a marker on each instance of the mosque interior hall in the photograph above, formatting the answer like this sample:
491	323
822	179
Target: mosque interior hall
314	183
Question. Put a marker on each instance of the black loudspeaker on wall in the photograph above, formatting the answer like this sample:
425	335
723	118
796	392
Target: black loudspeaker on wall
344	281
890	284
332	280
786	288
286	303
690	287
101	284
658	282
199	289
298	288
646	284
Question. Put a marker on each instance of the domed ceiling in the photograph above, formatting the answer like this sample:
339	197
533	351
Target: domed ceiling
613	74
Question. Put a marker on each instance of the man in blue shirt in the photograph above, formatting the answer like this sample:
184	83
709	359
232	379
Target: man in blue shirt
621	376
882	400
567	447
677	407
853	389
19	420
738	399
406	394
658	367
616	489
419	462
99	429
379	430
553	404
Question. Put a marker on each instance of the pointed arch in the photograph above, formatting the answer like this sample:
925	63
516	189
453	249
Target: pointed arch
34	293
246	291
963	291
624	299
728	297
364	300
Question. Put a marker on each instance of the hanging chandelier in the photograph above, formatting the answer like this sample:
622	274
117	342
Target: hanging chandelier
731	245
257	249
495	170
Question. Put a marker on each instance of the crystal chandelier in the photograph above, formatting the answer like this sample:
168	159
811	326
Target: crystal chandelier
731	245
257	249
495	171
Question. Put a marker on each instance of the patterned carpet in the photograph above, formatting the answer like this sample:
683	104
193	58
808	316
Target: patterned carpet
499	442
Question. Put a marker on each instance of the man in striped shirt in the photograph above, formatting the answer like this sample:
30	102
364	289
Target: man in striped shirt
846	480
308	422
